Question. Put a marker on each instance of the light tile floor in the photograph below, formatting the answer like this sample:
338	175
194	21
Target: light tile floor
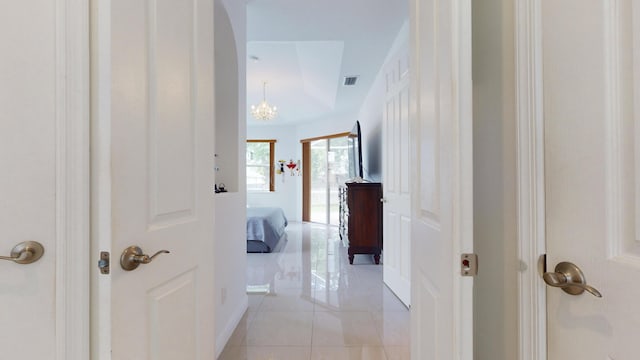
318	306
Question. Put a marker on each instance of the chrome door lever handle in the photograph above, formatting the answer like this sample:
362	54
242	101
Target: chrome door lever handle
26	252
570	279
133	256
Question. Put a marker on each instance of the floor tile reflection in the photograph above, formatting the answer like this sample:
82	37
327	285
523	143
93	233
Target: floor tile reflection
308	302
348	353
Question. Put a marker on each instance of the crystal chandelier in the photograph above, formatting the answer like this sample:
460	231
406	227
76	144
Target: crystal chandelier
264	111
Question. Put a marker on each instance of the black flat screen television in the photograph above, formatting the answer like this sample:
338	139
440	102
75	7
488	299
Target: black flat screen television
354	147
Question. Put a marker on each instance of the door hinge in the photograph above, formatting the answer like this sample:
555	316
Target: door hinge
469	264
104	263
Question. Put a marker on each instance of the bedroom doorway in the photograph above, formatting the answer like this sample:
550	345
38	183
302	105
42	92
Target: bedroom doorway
327	164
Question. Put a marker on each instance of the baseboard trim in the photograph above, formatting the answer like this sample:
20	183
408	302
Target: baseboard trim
223	338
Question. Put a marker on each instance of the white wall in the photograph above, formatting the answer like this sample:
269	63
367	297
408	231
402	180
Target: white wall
287	187
230	265
494	133
230	208
334	125
227	101
371	113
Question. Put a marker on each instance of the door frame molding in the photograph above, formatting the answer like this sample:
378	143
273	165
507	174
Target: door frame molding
532	322
72	250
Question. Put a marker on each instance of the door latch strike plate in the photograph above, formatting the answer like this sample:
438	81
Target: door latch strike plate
469	265
104	263
542	264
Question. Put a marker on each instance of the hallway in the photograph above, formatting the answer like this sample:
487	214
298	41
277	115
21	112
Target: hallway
318	306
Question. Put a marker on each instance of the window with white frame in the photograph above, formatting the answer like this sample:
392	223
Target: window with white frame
260	165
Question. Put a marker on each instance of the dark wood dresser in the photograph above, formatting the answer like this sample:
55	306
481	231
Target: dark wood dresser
361	219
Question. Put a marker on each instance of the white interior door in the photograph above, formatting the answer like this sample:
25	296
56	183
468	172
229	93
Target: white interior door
441	157
591	86
155	144
396	213
43	186
28	183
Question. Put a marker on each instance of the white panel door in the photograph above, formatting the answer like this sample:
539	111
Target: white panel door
442	224
157	144
28	181
591	84
397	177
43	181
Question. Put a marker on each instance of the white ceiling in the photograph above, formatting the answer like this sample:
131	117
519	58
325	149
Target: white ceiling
306	48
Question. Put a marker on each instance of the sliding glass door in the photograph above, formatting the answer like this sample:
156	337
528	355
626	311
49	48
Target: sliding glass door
329	168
